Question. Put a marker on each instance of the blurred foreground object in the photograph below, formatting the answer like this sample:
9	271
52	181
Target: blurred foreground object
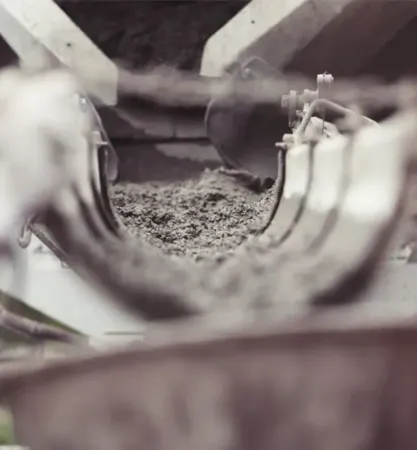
39	120
45	139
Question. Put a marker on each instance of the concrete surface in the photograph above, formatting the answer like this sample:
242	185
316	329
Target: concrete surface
42	31
310	36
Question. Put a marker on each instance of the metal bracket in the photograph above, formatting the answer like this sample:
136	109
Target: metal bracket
25	237
296	104
100	138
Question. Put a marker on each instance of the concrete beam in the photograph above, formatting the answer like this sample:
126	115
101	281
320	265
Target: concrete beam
346	45
309	36
39	29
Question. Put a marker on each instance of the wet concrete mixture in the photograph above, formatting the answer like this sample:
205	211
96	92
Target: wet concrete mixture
202	216
146	34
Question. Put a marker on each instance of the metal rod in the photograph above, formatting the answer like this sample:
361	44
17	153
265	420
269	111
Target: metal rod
332	106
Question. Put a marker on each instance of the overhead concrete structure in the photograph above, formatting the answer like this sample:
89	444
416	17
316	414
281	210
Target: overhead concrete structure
309	36
39	30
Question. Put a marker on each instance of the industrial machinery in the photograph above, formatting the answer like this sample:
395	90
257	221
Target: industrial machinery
324	251
312	352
